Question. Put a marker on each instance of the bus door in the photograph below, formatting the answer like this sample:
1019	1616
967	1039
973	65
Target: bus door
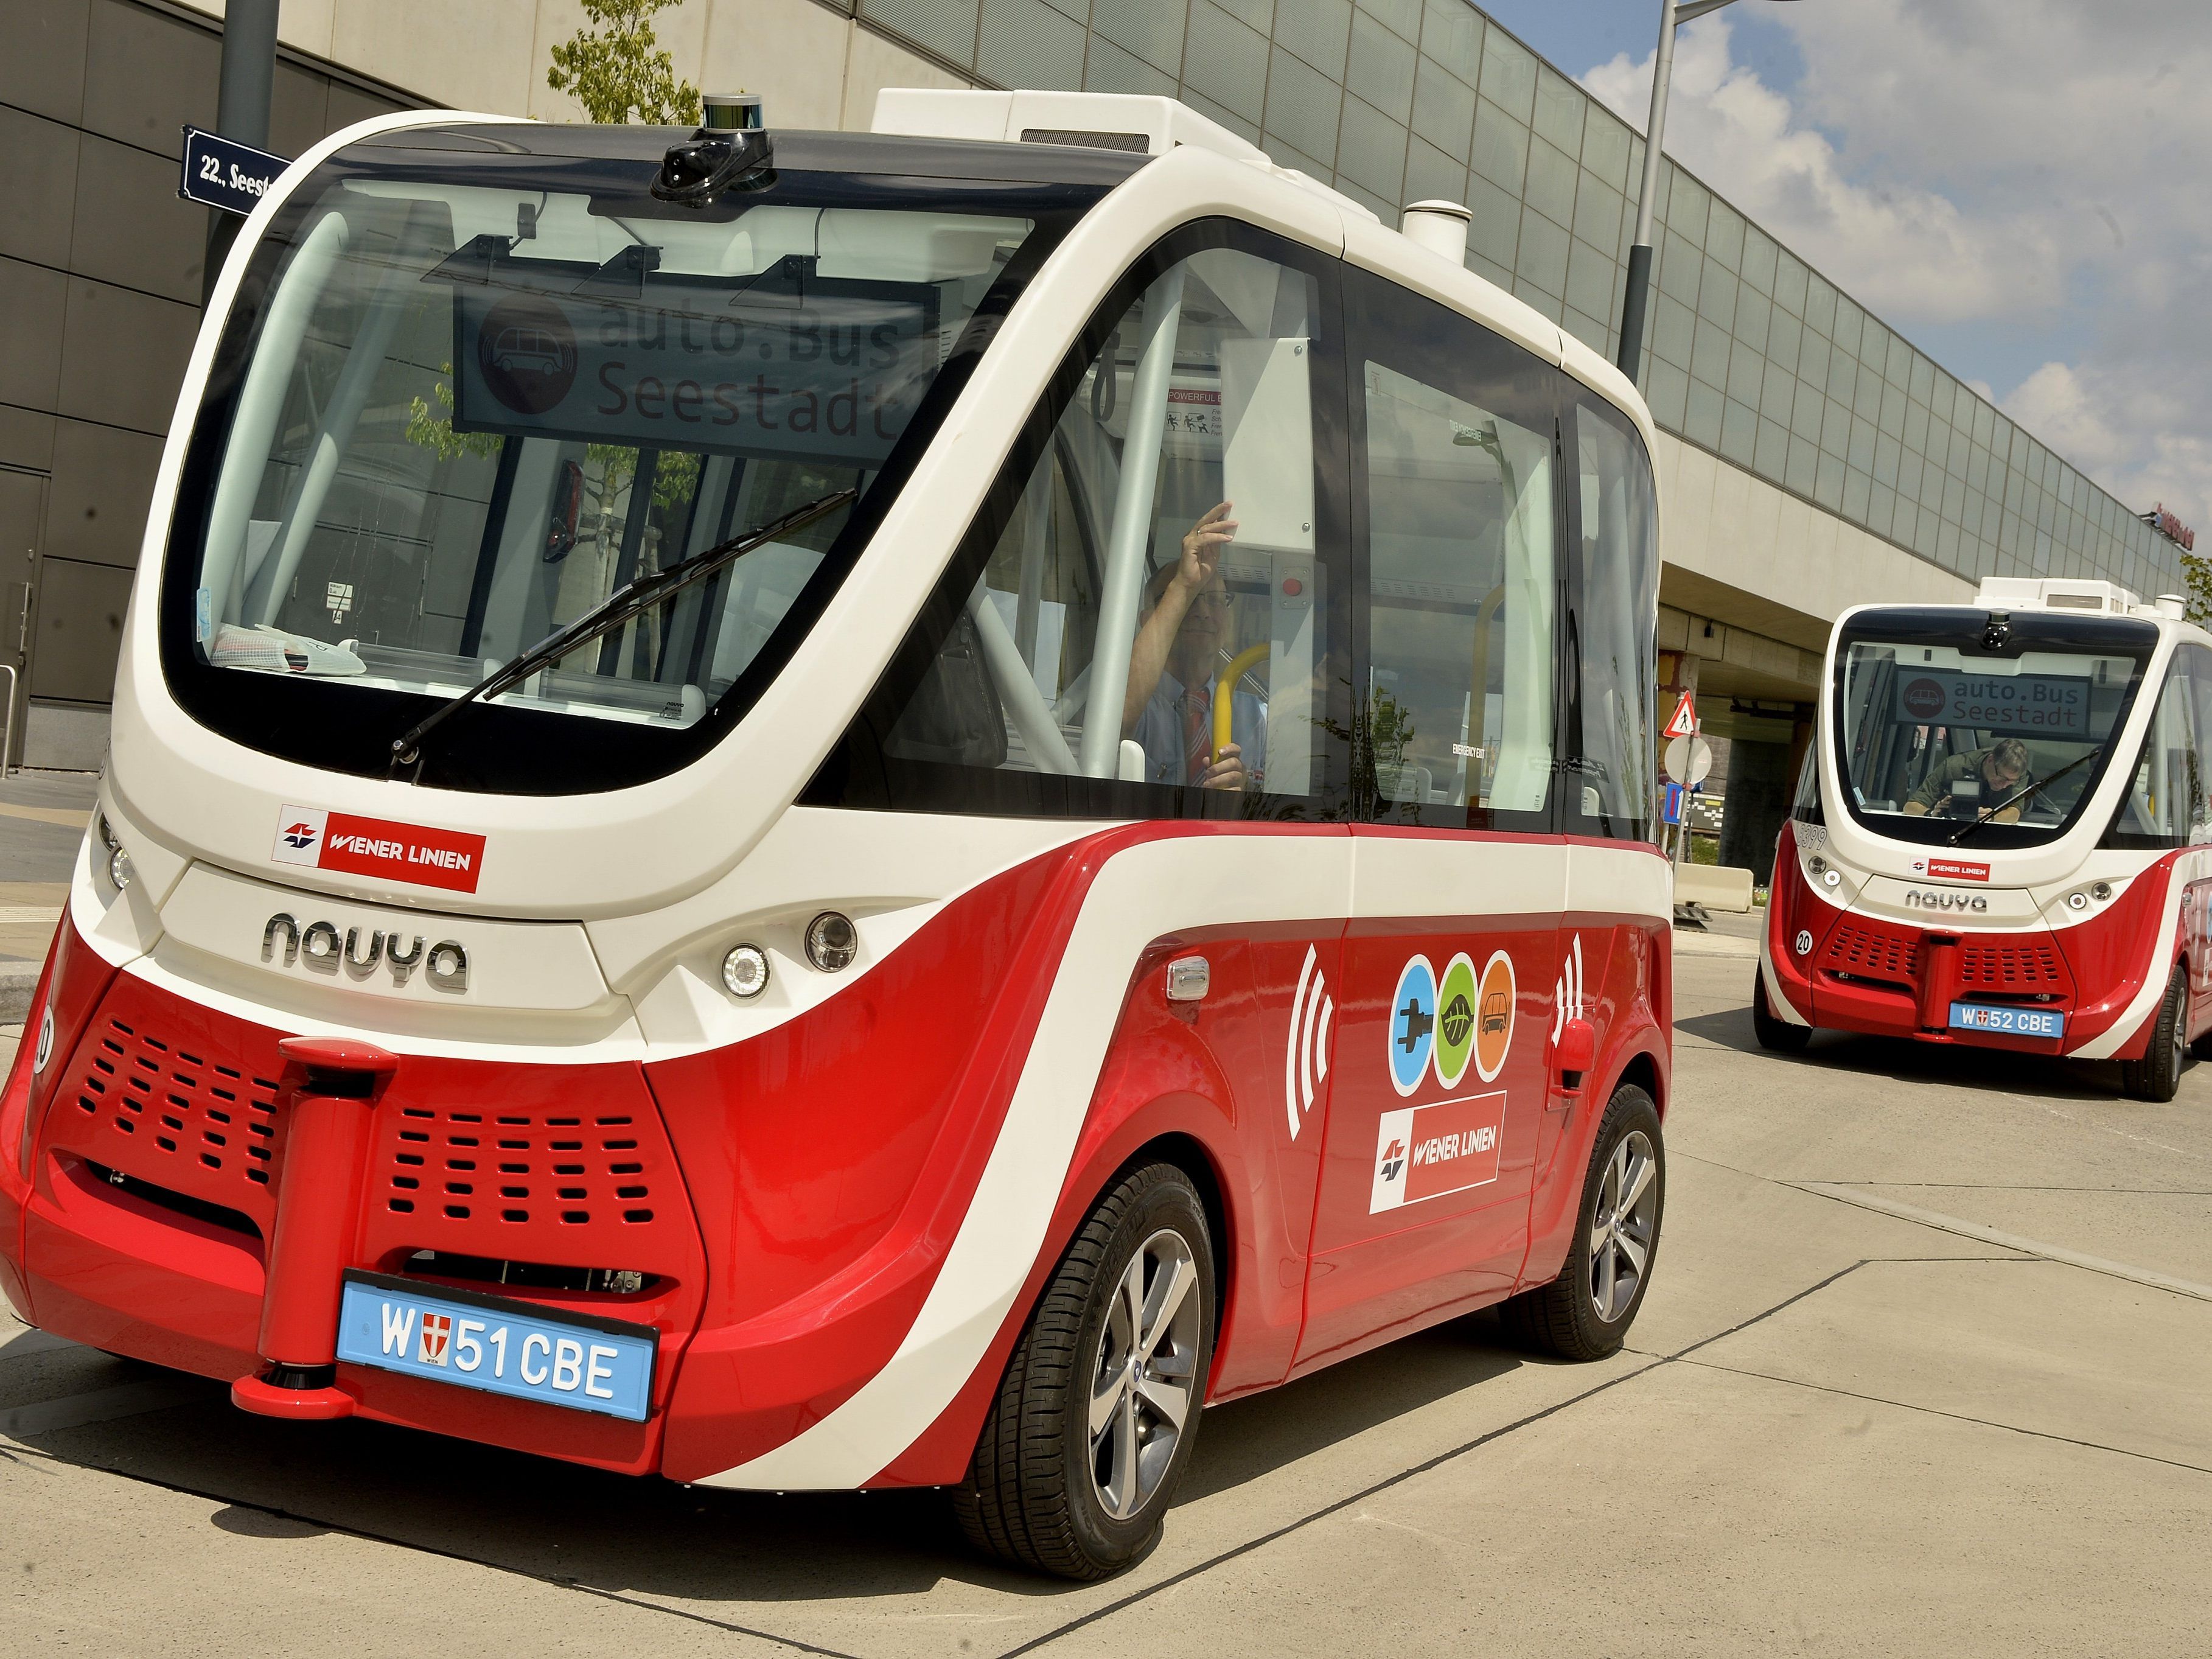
1459	878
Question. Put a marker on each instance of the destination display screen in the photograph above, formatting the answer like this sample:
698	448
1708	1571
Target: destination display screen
2019	705
825	369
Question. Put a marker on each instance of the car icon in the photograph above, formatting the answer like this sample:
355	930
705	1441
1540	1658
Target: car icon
1494	1012
527	351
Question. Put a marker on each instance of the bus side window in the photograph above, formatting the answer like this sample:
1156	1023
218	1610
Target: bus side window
1462	577
1615	588
2165	799
1153	604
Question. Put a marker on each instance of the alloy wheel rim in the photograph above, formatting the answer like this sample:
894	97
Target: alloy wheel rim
1624	1225
1144	1380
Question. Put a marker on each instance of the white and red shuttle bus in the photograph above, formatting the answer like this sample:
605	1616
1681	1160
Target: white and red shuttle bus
818	811
2000	833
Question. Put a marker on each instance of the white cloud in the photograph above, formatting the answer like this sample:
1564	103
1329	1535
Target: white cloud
2033	162
1901	249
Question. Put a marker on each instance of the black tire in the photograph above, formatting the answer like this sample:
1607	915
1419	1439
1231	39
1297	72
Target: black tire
2157	1075
1775	1035
1563	1318
1034	1495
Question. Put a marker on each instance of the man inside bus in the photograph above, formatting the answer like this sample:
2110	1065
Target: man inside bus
1187	636
1992	774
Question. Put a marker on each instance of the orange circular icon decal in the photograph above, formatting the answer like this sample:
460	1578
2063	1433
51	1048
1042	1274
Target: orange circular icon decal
1493	1024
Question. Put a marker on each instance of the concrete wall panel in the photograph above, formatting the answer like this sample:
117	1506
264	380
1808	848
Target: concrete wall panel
41	199
43	68
103	483
131	228
34	299
123	355
146	74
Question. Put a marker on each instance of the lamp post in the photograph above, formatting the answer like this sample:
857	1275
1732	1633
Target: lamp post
1636	302
242	99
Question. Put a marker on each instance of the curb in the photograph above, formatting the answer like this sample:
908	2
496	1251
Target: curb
18	979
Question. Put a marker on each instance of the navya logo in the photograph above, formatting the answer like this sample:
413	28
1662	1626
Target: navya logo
445	965
1938	901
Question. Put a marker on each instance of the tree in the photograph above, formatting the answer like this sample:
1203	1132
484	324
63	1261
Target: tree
2197	580
617	71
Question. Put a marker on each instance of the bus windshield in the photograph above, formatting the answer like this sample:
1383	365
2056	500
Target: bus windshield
470	403
1981	729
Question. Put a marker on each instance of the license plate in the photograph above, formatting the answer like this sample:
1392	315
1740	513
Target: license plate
2007	1022
488	1342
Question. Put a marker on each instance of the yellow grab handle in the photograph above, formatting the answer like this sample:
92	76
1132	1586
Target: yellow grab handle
1225	692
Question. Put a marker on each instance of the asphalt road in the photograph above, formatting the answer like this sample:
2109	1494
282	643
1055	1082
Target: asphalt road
1926	1368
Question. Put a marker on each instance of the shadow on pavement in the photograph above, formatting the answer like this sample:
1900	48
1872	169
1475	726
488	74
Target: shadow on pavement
283	1482
1952	1066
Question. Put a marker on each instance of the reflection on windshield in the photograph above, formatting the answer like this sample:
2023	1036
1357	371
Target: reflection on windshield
472	413
1947	734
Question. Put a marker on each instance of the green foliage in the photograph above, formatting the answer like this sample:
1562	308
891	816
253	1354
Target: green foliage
433	430
2197	579
617	71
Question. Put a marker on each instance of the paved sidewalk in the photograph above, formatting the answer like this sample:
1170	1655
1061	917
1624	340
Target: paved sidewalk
42	819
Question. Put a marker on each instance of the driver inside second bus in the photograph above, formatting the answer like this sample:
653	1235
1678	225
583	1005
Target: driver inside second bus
1187	638
1995	774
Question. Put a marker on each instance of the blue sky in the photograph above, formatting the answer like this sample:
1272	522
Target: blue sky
2013	185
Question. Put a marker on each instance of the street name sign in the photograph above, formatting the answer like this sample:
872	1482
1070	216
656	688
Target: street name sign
219	172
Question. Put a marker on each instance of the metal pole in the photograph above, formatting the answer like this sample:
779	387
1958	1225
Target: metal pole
249	72
1637	300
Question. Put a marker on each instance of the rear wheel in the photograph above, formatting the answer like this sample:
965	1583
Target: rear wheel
2157	1075
1094	1420
1585	1312
1775	1035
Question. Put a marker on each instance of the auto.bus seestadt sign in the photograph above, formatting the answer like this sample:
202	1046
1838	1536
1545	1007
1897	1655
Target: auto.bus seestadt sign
222	173
697	365
2032	705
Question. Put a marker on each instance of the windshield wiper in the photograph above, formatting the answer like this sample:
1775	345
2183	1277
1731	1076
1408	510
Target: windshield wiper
626	602
1987	812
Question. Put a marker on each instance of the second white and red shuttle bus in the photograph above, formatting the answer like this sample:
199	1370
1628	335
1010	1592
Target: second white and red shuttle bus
2004	833
1079	848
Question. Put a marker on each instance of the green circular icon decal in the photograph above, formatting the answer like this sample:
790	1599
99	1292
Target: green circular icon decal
1455	1021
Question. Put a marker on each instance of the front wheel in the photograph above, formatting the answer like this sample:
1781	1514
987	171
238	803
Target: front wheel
1095	1418
1586	1311
1775	1035
2157	1075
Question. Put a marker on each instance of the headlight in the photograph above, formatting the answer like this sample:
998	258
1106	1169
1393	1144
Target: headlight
832	942
744	970
119	868
107	833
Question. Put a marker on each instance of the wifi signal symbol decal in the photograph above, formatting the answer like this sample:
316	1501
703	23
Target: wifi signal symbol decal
1305	1054
1568	993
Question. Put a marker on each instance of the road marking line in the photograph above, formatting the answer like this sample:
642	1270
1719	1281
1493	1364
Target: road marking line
100	1405
69	817
1974	1230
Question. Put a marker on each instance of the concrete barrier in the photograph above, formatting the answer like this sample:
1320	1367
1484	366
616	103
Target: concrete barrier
1712	887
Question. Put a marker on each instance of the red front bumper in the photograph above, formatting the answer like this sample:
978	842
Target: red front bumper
1844	971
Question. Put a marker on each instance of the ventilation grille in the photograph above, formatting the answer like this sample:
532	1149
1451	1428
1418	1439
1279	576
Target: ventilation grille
162	1107
458	1175
1872	952
2010	965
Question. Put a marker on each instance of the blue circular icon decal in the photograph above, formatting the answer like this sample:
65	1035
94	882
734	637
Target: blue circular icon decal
1412	1025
